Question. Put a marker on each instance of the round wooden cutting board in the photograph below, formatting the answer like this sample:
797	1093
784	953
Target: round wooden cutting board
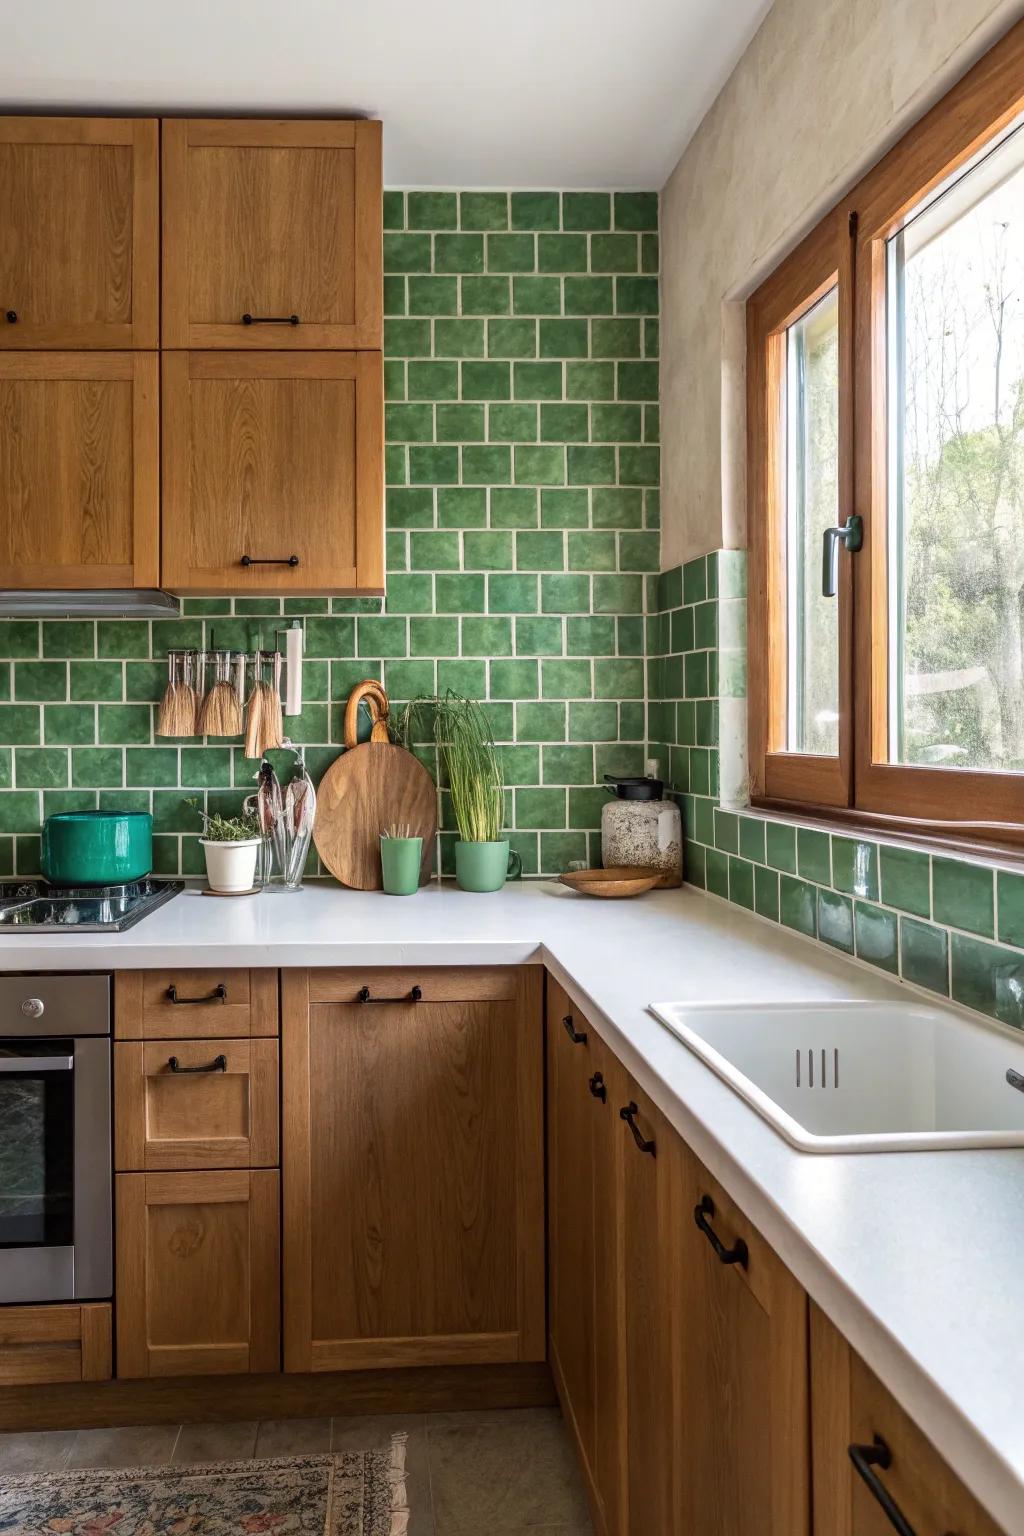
369	788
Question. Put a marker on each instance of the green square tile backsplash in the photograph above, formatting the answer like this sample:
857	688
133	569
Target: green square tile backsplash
522	467
954	926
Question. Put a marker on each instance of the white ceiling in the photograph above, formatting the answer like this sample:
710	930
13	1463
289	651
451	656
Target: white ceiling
473	93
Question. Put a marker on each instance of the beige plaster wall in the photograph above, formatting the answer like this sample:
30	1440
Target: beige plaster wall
823	89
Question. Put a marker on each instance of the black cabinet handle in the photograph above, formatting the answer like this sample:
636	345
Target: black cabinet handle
737	1254
578	1037
11	316
414	995
248	319
248	560
218	1064
866	1458
218	995
629	1114
598	1088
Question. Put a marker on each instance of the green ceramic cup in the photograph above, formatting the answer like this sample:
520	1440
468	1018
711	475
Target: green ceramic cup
486	866
400	859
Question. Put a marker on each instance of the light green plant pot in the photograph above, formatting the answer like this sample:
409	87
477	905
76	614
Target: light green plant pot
486	866
400	859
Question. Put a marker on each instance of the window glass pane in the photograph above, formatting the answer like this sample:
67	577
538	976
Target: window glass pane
955	311
812	489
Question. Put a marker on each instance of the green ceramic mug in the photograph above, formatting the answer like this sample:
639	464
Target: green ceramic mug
486	866
400	860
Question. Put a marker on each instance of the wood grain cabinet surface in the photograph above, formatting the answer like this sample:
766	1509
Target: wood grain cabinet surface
79	232
271	219
274	458
183	1104
54	1344
198	1272
181	1004
413	1159
79	469
851	1408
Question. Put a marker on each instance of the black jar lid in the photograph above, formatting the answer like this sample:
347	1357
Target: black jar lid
635	788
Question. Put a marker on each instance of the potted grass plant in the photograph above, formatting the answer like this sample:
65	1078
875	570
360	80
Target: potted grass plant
231	845
462	734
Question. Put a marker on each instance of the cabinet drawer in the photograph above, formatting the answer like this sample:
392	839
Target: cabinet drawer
198	1273
39	1345
182	1104
437	984
194	1004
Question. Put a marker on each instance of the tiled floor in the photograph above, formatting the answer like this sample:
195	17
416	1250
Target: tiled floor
502	1473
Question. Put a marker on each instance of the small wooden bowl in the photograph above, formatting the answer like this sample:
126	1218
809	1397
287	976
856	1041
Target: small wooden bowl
618	881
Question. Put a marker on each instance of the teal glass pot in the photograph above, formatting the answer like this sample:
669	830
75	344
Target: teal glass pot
97	847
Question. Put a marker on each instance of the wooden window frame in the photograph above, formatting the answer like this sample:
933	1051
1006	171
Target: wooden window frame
848	245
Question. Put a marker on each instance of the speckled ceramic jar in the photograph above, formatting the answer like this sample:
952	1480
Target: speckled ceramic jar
648	833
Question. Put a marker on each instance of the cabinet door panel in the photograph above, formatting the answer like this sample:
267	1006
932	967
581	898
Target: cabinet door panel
742	1414
79	223
79	472
274	457
648	1304
272	219
198	1273
413	1159
49	1344
850	1406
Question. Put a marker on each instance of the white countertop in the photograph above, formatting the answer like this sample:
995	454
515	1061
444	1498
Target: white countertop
917	1257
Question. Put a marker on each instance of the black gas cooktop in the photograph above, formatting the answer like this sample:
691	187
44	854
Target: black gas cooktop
86	909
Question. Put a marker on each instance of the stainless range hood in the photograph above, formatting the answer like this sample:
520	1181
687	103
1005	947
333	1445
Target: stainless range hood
107	603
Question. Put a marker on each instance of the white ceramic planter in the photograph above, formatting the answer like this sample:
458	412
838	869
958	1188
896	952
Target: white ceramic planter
231	866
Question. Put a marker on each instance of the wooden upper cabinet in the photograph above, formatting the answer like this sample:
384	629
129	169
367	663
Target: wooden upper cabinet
271	219
273	472
79	469
79	228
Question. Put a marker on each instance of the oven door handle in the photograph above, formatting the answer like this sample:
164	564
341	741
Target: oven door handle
16	1064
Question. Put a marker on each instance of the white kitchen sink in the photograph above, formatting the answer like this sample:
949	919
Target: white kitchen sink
863	1076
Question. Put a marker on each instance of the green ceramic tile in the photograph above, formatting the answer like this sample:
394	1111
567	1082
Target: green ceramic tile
716	872
727	831
1010	889
905	880
460	338
19	638
766	892
511	253
741	883
752	839
41	768
512	594
590	635
540	808
461	507
537	637
66	725
19	811
567	764
798	905
537	295
484	210
96	680
40	680
855	867
590	381
457	592
458	253
924	955
876	935
586	210
989	978
963	895
433	210
566	679
535	210
486	637
813	855
835	920
69	637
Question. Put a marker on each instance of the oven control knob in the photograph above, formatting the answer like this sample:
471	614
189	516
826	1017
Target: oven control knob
33	1007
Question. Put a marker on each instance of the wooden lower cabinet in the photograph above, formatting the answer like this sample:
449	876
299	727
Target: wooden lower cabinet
851	1408
198	1272
584	1343
54	1344
740	1365
684	1377
413	1161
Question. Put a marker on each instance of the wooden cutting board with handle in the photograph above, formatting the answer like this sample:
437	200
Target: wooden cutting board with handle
370	787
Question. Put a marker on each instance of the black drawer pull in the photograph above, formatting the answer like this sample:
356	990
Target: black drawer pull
248	319
218	1064
11	316
218	995
629	1114
248	560
737	1254
866	1458
578	1037
598	1087
414	995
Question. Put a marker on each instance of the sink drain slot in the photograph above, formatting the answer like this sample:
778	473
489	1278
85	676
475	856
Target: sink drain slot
818	1067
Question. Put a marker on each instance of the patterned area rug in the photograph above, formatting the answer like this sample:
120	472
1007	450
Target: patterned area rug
357	1494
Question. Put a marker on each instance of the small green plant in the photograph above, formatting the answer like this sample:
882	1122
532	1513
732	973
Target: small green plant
225	829
463	737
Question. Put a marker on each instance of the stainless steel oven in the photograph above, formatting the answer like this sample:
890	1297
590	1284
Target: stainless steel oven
55	1154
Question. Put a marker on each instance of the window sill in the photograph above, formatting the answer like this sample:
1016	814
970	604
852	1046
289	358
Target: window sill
995	843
